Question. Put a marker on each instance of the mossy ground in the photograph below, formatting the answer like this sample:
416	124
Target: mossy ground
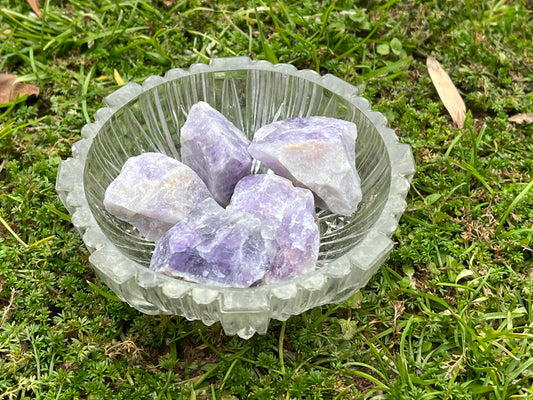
449	315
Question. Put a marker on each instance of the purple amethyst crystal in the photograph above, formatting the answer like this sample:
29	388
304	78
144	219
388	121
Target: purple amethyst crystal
213	246
317	153
153	192
213	147
288	225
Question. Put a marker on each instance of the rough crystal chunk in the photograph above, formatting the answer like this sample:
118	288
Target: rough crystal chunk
317	153
217	150
288	225
213	246
153	192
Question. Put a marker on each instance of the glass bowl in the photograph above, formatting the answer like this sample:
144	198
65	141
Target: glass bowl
146	118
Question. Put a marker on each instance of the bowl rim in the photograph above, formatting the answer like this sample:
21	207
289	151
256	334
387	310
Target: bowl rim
70	188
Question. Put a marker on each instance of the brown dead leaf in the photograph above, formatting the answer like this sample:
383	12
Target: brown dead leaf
521	118
34	4
10	89
447	91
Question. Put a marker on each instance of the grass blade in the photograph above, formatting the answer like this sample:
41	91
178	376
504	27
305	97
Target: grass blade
388	69
267	50
513	204
41	241
362	42
12	232
84	91
280	347
104	293
470	168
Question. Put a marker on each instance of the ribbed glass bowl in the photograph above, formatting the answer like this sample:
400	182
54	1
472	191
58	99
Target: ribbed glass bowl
147	118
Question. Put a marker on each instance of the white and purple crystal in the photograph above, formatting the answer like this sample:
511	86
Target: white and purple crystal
317	153
213	246
153	192
288	225
216	149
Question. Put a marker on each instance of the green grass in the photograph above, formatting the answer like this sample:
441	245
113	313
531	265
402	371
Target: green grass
449	315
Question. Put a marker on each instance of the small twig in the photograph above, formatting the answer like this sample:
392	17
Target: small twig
8	307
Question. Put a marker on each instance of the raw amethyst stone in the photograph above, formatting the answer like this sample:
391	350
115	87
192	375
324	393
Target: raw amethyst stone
214	247
153	192
213	147
317	153
288	225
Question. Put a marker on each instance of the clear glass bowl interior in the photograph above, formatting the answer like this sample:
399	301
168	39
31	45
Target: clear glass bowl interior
250	98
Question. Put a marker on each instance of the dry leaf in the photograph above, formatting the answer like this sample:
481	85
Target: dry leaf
521	118
10	89
34	4
447	91
118	78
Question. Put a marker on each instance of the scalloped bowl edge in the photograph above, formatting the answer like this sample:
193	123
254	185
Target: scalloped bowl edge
153	293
